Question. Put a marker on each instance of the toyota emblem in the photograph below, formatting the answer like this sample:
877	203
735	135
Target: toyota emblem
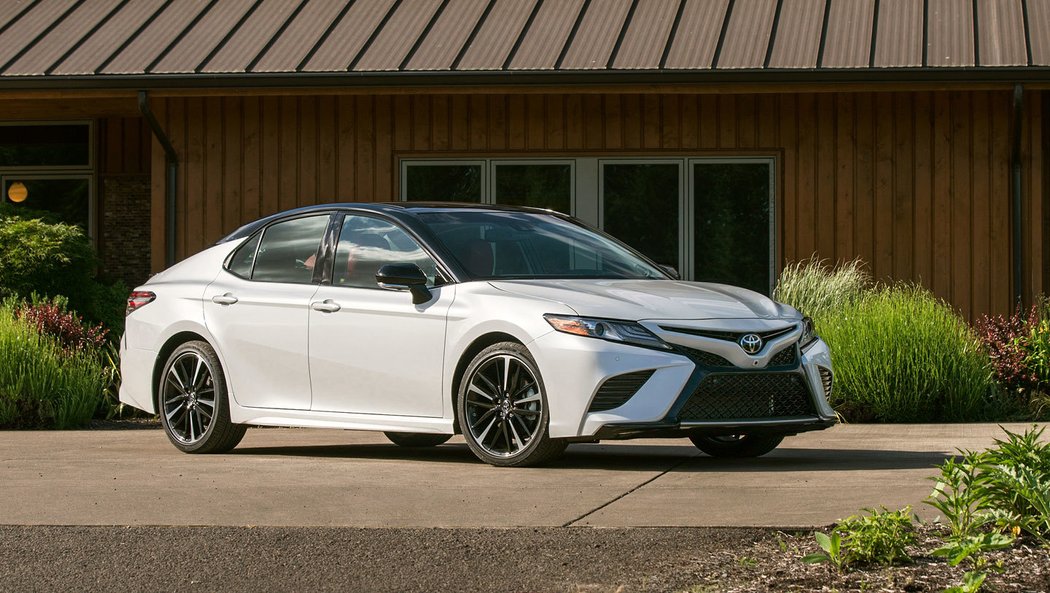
751	343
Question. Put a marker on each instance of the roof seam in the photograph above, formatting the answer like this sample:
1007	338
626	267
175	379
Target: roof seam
146	23
473	34
874	33
521	35
572	35
29	6
276	35
1027	32
375	34
773	34
925	33
824	34
178	38
226	38
51	27
324	36
423	35
671	36
120	6
722	35
623	33
975	31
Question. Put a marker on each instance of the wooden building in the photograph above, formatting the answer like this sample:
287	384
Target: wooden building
725	137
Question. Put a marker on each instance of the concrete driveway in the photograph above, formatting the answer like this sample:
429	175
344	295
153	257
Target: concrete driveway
298	477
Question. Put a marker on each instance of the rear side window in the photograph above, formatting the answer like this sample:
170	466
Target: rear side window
242	260
287	251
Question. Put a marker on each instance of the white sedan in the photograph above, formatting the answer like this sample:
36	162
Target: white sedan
523	330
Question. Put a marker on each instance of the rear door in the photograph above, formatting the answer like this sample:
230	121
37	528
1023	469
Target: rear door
258	311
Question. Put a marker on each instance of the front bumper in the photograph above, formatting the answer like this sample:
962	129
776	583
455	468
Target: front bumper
575	368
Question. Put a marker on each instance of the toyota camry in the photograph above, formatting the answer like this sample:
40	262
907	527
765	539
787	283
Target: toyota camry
523	330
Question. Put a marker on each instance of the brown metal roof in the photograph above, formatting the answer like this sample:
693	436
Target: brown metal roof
79	43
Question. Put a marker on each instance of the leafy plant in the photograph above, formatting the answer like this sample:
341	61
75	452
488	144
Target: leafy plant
51	318
958	494
881	537
43	384
833	552
972	583
973	547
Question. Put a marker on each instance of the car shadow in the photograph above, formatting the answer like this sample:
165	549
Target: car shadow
646	458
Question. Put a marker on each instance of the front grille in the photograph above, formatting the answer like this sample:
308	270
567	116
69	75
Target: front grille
617	390
825	381
708	359
727	336
744	396
783	358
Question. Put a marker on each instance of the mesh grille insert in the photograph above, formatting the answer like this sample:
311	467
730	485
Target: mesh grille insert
784	357
709	359
825	380
617	390
743	396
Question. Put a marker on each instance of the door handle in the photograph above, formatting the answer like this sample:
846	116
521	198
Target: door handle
224	299
325	306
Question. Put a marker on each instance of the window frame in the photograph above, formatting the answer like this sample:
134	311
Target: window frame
587	192
59	172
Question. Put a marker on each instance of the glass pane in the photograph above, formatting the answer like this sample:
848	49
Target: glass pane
42	145
641	208
732	224
65	200
444	183
367	244
288	252
244	257
536	185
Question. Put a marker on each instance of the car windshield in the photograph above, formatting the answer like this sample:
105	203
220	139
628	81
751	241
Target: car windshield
524	245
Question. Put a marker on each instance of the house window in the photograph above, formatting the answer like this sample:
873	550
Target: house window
49	168
711	218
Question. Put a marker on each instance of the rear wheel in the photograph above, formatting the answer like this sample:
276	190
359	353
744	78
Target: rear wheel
414	439
194	405
737	445
502	408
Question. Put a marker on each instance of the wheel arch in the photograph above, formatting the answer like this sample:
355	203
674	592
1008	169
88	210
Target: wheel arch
480	343
165	351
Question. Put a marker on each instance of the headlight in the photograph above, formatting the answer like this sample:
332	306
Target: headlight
809	335
627	332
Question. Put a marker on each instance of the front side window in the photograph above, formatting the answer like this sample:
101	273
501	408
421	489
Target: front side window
366	244
287	252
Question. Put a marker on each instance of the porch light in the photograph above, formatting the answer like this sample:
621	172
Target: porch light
17	192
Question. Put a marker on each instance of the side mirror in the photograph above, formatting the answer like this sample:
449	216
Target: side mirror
405	277
671	271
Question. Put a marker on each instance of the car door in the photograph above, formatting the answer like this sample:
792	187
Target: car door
372	351
258	312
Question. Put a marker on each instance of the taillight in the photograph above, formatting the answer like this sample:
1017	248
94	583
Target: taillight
139	299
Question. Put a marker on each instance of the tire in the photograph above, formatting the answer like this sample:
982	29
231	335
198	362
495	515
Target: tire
417	439
502	408
737	445
193	421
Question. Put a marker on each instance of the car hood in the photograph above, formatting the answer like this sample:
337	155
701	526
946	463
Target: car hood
651	299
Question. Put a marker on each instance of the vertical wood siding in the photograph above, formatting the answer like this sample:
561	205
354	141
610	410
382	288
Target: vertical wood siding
914	183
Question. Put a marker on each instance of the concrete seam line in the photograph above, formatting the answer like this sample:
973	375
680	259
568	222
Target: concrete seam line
620	496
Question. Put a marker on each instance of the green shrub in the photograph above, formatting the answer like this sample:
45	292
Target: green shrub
42	384
902	355
817	290
51	258
881	538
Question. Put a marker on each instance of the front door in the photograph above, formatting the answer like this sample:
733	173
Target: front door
372	351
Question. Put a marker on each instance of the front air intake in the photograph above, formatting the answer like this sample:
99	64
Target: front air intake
748	396
825	381
617	390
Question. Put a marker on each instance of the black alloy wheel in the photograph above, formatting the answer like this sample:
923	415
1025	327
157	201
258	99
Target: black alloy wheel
194	407
737	445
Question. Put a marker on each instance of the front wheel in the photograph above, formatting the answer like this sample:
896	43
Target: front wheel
194	404
502	408
737	445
